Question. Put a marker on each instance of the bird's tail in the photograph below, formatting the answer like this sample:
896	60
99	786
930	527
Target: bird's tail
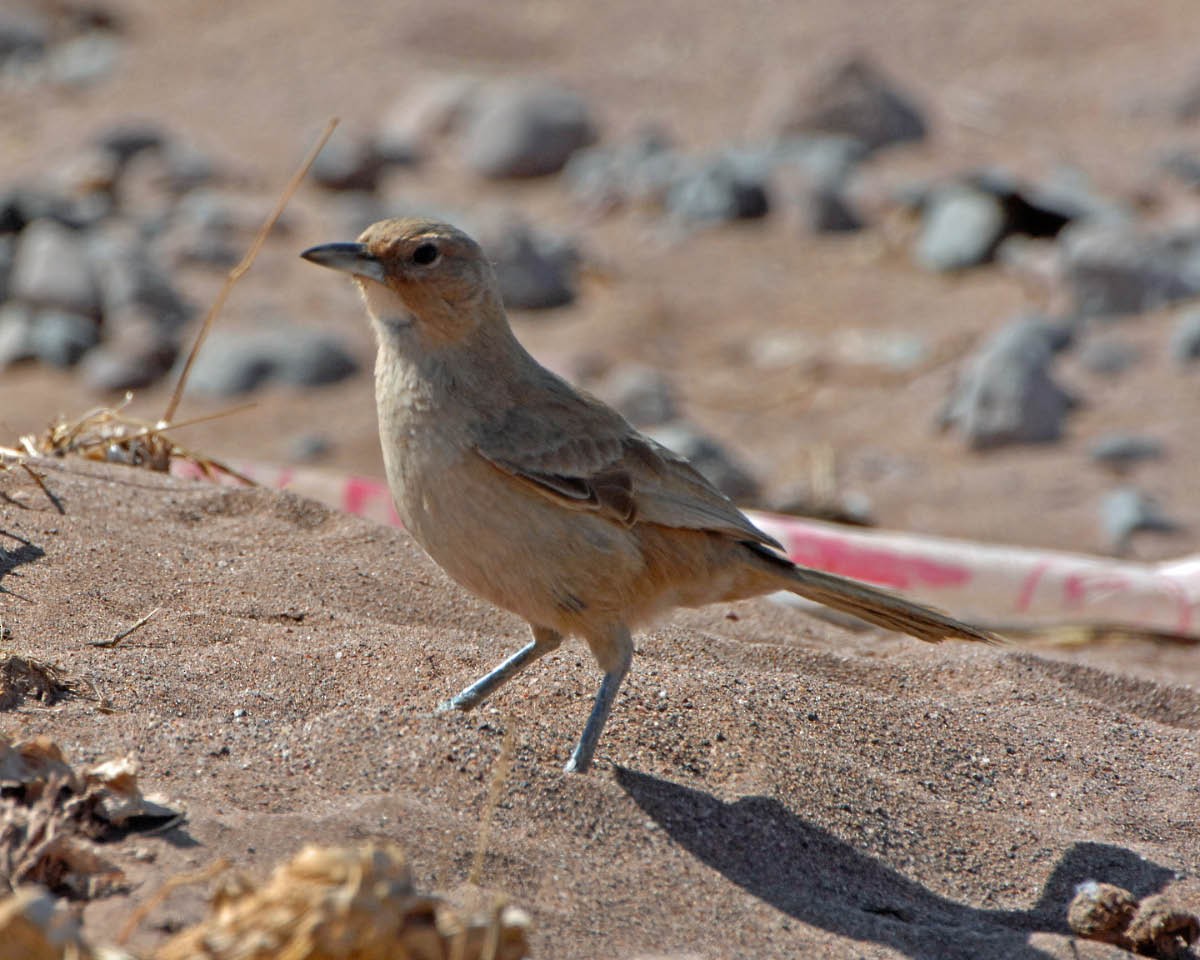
868	603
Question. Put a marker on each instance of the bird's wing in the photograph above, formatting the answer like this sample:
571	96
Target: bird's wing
579	452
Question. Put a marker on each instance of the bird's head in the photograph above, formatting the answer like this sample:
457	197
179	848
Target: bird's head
418	274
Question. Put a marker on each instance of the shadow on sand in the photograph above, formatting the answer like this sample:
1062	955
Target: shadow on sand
811	875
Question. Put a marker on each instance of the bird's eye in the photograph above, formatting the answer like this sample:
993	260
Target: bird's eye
425	254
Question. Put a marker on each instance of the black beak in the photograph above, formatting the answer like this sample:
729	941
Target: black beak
352	258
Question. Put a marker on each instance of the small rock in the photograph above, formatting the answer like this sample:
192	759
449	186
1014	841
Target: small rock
603	178
309	447
525	129
345	164
1006	393
1127	511
60	338
135	357
124	141
16	334
640	394
1108	357
84	60
1122	450
535	270
23	35
1113	269
713	461
854	99
233	363
1184	345
960	228
717	191
424	115
8	247
203	231
131	278
51	269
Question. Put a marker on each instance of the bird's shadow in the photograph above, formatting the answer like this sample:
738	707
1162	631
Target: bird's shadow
13	557
813	876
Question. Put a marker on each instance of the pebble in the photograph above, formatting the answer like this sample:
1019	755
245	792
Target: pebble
347	164
435	108
237	362
51	268
309	448
960	227
1115	269
1122	450
60	338
718	190
127	363
16	334
1108	357
132	278
535	269
1006	393
1184	345
855	99
1126	511
640	394
23	35
603	178
525	129
713	461
84	60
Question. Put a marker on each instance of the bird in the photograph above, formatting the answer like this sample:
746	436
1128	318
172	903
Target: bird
539	497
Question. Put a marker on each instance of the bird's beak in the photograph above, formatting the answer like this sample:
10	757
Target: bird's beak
352	258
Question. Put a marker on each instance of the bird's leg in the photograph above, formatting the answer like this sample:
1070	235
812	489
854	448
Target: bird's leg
544	641
619	658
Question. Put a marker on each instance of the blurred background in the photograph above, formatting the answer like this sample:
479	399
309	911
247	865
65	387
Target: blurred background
933	266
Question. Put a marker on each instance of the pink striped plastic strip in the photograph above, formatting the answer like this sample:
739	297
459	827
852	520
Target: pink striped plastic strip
998	585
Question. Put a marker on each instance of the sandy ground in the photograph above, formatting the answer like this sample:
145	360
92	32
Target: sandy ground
770	786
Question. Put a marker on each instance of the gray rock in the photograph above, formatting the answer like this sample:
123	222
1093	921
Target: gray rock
202	231
603	178
23	35
1006	393
961	227
60	338
8	247
423	115
127	363
85	59
345	164
22	205
535	270
16	334
233	363
525	129
309	447
854	99
641	394
1184	345
1108	357
1126	511
132	279
713	461
1119	451
51	269
717	191
1114	269
126	140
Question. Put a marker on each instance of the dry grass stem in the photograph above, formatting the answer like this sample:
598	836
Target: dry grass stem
237	272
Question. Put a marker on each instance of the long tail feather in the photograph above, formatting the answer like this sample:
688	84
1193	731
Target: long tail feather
869	603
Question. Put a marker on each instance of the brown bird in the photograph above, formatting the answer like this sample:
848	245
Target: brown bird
540	498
